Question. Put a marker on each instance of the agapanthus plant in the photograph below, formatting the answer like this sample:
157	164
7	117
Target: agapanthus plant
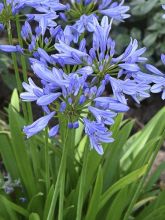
76	63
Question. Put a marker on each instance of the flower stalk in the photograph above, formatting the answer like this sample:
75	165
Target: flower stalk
47	174
24	68
82	183
15	65
59	186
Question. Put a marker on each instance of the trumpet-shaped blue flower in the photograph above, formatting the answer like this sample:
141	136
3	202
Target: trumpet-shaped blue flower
48	98
86	22
26	31
97	134
102	116
111	104
114	10
53	131
159	79
11	48
39	5
38	125
129	87
32	93
45	20
68	54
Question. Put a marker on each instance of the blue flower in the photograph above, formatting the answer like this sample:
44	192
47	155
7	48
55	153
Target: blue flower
86	22
114	10
64	48
55	77
158	78
26	31
101	34
129	87
44	56
11	48
32	93
111	104
48	98
102	116
68	54
39	5
45	20
53	131
132	53
69	34
45	5
38	125
48	9
97	134
158	87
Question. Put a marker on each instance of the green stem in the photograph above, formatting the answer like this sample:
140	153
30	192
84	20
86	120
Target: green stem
60	175
17	76
61	200
47	174
34	154
82	184
140	186
23	61
70	159
24	69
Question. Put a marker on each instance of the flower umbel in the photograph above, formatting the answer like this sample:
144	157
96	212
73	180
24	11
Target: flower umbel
76	62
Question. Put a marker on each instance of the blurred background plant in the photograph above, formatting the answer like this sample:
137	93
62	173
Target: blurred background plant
146	25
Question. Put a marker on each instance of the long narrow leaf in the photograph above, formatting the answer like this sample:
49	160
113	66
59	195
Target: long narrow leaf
126	180
92	210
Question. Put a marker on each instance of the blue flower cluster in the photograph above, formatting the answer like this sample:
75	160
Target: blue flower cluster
76	62
10	8
158	78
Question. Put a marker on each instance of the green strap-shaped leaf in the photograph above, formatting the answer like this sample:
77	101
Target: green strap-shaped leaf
34	202
6	152
126	180
157	214
114	152
48	202
119	204
155	176
20	153
14	207
91	213
15	100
